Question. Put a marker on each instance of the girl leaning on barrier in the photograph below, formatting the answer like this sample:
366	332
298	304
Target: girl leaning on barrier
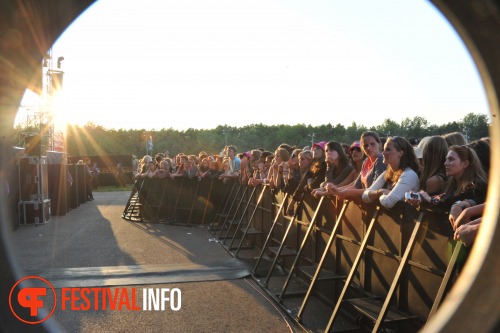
275	173
306	164
142	167
400	177
356	158
164	169
371	169
214	171
203	167
466	185
191	168
253	167
263	169
150	171
182	164
246	170
433	176
292	180
338	168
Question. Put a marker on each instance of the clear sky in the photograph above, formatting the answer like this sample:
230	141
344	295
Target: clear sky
157	64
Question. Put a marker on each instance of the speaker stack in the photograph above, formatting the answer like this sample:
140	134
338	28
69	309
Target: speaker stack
34	205
58	182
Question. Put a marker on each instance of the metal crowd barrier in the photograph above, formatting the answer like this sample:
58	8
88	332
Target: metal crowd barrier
376	268
180	201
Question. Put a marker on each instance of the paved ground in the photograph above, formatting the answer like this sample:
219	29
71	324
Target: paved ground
95	235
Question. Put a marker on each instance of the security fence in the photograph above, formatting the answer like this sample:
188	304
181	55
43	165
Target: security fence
372	268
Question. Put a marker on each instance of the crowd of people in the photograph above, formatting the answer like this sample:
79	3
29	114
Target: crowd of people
445	172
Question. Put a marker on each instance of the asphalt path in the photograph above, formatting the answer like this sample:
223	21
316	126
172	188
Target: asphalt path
95	236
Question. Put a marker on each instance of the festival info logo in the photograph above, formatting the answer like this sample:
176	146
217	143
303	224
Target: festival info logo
31	304
26	303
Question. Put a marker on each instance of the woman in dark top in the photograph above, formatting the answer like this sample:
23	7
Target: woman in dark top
312	178
466	185
214	171
338	167
305	163
294	174
482	149
318	167
356	159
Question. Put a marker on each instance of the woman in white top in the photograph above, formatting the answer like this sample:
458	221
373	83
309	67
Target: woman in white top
400	177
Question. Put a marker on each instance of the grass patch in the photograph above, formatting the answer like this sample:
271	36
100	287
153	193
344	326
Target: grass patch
127	187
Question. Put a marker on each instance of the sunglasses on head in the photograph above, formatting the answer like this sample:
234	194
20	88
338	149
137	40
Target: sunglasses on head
356	149
396	140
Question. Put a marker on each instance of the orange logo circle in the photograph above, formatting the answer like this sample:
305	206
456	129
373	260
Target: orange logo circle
31	298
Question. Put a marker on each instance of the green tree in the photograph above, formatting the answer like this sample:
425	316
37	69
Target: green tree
475	126
339	133
353	132
92	139
388	128
414	128
449	128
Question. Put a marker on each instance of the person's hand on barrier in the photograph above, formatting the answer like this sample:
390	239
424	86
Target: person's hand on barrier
339	193
467	215
331	188
424	196
467	233
455	212
254	182
318	192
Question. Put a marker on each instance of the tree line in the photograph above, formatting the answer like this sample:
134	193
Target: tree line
92	139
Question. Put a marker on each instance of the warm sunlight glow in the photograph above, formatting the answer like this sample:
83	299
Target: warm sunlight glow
199	64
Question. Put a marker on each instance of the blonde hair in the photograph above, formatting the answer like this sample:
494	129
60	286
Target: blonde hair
283	153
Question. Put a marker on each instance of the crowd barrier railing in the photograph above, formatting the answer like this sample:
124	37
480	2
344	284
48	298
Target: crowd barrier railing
384	267
179	200
220	213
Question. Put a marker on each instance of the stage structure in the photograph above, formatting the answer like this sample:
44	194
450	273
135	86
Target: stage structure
40	138
39	131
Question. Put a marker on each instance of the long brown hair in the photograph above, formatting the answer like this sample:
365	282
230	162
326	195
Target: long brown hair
433	158
409	159
343	161
372	134
455	139
472	174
